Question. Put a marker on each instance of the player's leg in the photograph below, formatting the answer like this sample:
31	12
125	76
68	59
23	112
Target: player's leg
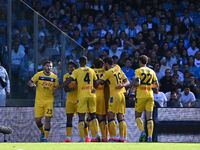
39	114
69	127
48	107
94	127
70	110
120	118
112	126
101	116
113	109
81	125
47	128
40	126
93	122
82	110
149	117
87	139
122	125
139	108
103	127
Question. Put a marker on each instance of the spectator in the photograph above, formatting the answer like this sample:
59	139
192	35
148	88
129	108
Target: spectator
163	63
131	30
17	55
187	98
4	85
158	71
160	98
184	57
122	59
175	84
194	86
129	72
191	51
114	50
175	70
197	59
192	68
170	60
174	102
166	81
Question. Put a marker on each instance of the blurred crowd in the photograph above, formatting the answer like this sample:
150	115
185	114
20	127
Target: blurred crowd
167	31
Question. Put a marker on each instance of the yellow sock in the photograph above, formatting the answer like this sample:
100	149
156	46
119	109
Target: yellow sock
150	128
139	123
112	127
121	128
125	129
86	133
69	130
46	133
103	129
94	127
106	126
81	126
41	128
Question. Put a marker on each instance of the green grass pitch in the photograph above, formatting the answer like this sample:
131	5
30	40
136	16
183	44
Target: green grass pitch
100	146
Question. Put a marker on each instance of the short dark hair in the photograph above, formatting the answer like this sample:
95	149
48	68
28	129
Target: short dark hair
143	59
109	60
47	62
186	86
98	63
73	63
83	60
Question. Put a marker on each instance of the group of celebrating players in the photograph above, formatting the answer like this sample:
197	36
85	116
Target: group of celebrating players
99	93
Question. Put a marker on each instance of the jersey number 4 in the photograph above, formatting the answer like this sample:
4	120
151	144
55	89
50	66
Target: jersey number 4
146	79
87	78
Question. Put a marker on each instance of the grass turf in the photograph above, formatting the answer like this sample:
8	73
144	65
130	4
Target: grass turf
100	146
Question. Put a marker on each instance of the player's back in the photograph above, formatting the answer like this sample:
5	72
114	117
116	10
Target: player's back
147	77
99	73
84	77
45	85
71	95
123	78
114	77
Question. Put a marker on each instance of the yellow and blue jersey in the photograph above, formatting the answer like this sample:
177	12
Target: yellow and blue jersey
147	76
99	73
45	86
71	95
114	77
84	77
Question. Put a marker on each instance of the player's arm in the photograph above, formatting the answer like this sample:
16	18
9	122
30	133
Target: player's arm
64	84
136	82
97	82
155	83
67	89
124	84
31	83
34	79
